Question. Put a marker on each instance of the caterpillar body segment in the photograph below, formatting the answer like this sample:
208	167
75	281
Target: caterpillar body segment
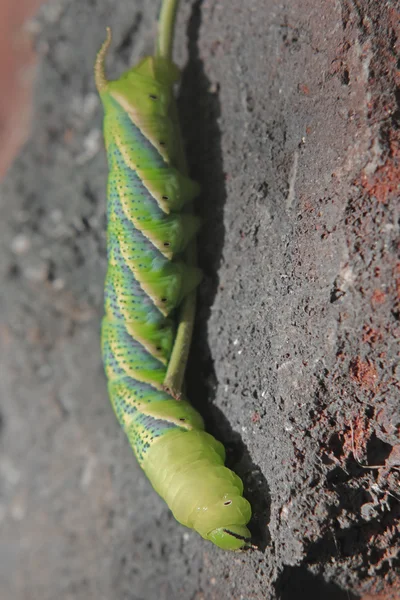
149	298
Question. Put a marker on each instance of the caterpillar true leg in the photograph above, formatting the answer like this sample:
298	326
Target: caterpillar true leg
150	296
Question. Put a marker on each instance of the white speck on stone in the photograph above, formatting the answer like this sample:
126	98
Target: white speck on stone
20	244
284	512
58	284
85	106
186	537
235	342
347	274
56	215
87	474
91	146
244	429
389	227
292	180
83	109
90	104
240	352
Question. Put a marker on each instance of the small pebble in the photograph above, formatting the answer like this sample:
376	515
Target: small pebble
20	244
56	215
58	284
91	146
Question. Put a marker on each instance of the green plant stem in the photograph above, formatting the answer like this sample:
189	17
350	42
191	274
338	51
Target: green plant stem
174	379
166	25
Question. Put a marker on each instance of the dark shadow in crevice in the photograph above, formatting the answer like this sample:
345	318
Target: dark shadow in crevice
298	583
378	451
199	110
356	540
238	458
371	517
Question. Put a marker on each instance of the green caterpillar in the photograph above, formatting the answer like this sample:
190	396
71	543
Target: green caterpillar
150	296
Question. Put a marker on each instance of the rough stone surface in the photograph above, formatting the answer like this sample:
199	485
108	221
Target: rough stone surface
291	112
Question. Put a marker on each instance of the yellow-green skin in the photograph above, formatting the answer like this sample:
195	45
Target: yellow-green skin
149	226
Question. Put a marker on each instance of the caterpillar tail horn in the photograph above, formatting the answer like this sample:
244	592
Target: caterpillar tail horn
99	70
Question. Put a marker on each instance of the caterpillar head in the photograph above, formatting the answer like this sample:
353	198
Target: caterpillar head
227	518
231	537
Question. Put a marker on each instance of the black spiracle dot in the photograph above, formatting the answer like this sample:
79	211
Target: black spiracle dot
163	300
162	143
158	348
182	419
228	502
165	198
153	97
166	244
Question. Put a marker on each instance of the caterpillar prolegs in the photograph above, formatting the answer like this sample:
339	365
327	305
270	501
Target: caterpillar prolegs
150	296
